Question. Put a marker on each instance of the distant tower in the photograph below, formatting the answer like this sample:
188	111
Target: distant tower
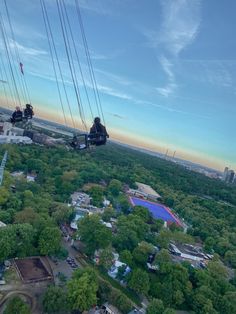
4	160
174	154
230	176
166	153
225	174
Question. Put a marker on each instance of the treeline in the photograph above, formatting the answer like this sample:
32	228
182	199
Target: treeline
35	211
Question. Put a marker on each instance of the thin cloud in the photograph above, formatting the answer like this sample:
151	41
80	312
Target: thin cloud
116	115
180	25
171	85
181	22
26	50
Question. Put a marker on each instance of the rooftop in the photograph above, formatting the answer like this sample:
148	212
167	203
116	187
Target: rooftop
147	189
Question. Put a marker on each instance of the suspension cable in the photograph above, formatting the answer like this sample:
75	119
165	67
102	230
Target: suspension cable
9	85
8	58
20	85
51	54
25	87
70	65
93	79
59	67
77	58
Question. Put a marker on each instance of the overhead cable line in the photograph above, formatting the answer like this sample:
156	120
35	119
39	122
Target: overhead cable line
20	85
91	71
25	87
77	58
58	64
71	66
9	59
4	72
44	12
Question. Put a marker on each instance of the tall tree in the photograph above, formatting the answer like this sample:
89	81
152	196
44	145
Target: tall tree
93	233
82	290
49	240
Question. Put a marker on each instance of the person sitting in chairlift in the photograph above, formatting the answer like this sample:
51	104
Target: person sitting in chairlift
17	115
98	133
28	111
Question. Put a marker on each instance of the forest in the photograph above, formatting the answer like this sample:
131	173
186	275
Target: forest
33	212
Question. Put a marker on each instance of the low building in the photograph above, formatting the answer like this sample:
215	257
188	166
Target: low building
12	139
2	224
109	309
144	191
80	199
189	252
31	177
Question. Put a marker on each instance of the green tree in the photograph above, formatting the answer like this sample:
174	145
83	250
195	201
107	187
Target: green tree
139	281
156	306
16	305
142	212
93	233
115	187
126	257
55	300
106	258
49	240
96	192
82	290
141	252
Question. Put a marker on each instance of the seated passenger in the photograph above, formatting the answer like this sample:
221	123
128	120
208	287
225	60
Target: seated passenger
98	134
17	115
28	111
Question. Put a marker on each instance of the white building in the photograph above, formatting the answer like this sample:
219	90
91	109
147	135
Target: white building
2	224
12	139
145	191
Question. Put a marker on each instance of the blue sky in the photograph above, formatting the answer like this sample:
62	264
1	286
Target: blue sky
165	69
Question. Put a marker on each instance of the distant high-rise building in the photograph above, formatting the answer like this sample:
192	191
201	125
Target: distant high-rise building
225	173
230	176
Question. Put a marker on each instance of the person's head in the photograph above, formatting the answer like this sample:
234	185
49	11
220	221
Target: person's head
28	106
97	120
17	108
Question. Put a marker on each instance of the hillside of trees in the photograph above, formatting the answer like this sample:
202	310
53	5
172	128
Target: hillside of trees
34	211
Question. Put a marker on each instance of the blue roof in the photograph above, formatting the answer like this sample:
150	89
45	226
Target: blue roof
158	211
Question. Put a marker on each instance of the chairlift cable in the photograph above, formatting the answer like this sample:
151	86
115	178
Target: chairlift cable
4	89
22	95
25	87
9	85
51	54
9	60
78	61
97	97
70	66
59	66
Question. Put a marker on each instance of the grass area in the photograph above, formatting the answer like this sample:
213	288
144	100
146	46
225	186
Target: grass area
11	275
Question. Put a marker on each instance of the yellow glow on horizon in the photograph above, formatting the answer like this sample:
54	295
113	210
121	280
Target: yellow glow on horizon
134	140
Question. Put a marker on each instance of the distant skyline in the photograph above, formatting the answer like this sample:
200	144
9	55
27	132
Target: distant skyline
165	71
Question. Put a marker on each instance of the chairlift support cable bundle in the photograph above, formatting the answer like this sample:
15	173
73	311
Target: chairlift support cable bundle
24	83
44	12
71	65
90	66
9	60
19	82
77	58
58	64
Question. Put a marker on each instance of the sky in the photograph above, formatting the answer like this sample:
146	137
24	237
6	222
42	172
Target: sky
165	71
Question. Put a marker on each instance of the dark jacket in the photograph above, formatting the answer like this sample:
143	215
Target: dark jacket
98	128
17	116
28	113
